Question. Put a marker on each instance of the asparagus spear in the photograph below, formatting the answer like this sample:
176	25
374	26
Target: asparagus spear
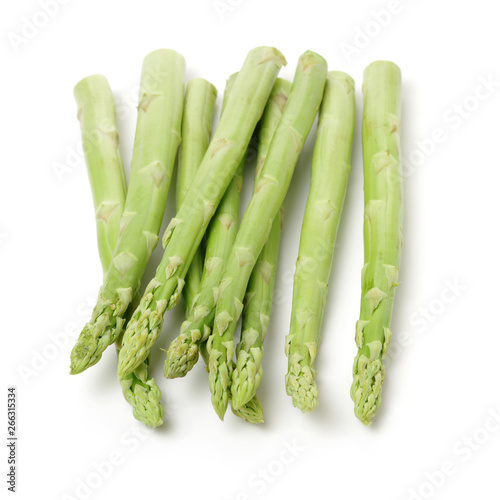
139	389
156	142
182	353
251	411
107	181
259	294
329	175
97	115
286	144
196	131
184	233
382	231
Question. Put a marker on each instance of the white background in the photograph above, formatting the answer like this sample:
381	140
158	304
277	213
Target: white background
442	375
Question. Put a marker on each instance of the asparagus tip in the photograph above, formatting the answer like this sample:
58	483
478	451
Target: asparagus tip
181	357
250	412
220	402
244	386
144	397
83	356
220	408
368	378
100	332
303	390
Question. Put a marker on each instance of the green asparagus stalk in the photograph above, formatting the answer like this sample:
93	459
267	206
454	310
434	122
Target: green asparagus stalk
155	147
196	131
251	411
286	144
107	181
182	353
382	232
329	176
97	115
259	294
139	389
185	232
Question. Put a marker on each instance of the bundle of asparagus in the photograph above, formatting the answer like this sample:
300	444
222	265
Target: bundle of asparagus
226	270
196	131
221	233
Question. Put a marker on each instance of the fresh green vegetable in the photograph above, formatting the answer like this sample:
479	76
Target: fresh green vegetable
196	131
139	389
286	144
97	115
182	353
382	232
251	411
329	176
155	147
185	232
107	181
259	294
